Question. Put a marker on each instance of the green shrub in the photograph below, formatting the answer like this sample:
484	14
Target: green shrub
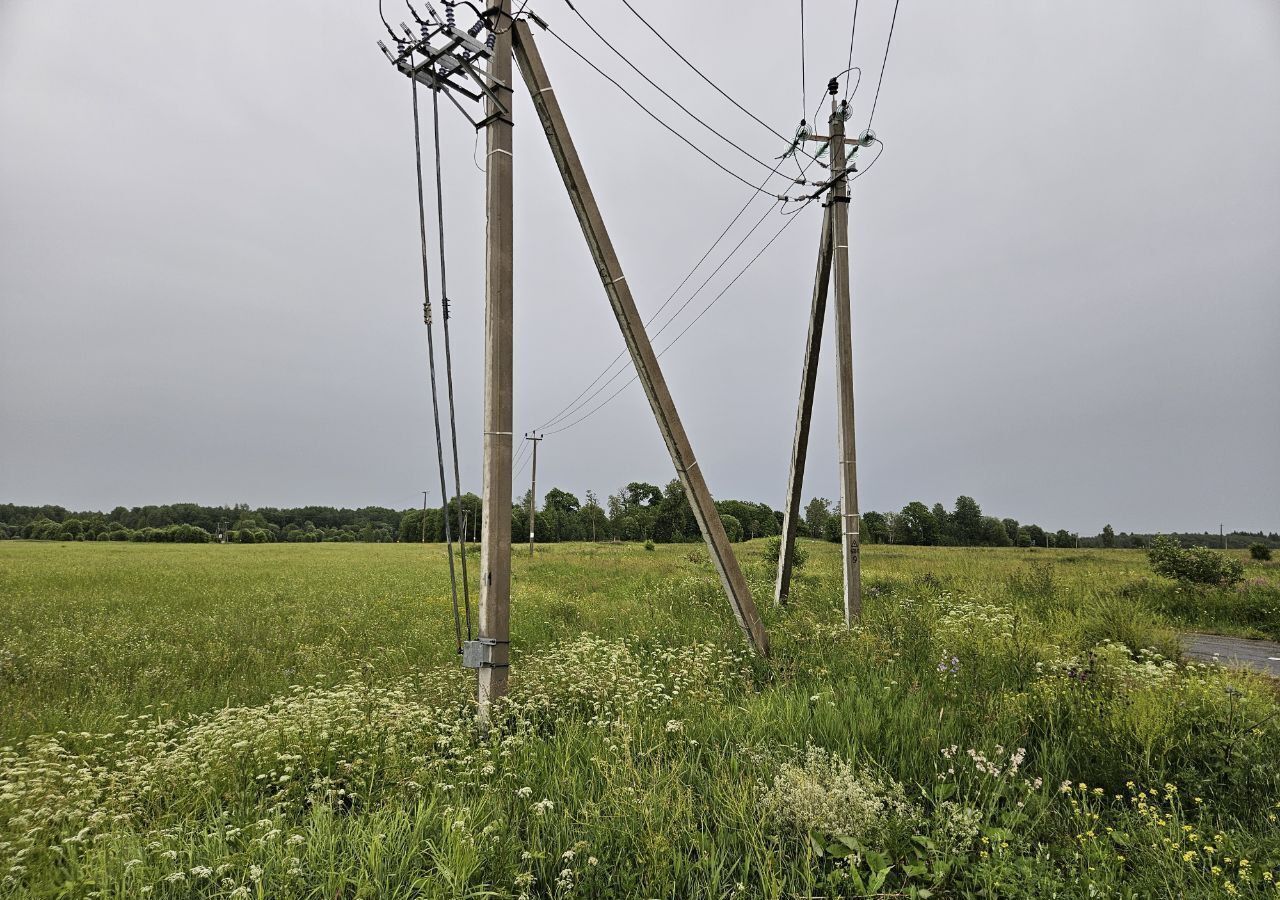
1198	565
1260	551
648	545
773	547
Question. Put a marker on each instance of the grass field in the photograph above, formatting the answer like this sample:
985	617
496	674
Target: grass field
289	721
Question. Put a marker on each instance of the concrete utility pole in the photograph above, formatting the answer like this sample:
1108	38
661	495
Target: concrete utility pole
495	546
849	526
632	325
533	485
1222	534
804	412
424	517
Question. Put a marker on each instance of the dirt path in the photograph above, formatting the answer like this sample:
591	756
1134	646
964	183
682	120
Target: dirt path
1261	656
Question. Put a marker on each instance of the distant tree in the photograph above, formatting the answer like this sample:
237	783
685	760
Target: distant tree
875	528
1011	528
732	527
1063	538
967	521
943	520
918	525
815	515
675	514
1037	535
993	533
1108	537
641	493
1024	537
594	520
560	500
831	531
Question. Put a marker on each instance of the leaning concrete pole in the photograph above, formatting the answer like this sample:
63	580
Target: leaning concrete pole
495	542
642	355
804	411
849	519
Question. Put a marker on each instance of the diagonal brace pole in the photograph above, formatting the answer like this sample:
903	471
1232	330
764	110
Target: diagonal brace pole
804	412
642	355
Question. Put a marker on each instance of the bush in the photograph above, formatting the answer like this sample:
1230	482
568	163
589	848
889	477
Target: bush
648	545
1198	565
1260	551
773	547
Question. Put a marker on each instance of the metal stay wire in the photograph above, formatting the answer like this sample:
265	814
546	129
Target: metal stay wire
431	359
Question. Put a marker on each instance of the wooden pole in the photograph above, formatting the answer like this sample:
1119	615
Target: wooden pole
804	412
533	488
838	205
424	517
642	355
495	542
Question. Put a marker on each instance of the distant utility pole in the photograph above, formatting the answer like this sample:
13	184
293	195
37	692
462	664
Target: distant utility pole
1222	534
533	485
424	517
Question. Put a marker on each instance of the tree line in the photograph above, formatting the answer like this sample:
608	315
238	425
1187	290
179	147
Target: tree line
639	511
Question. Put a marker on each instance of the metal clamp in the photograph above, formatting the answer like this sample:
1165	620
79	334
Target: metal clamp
486	653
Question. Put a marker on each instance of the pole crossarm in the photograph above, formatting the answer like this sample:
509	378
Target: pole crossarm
638	344
804	412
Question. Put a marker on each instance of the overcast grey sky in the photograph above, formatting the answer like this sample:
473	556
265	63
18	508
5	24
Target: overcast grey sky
1066	267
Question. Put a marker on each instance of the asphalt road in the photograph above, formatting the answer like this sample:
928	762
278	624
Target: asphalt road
1261	656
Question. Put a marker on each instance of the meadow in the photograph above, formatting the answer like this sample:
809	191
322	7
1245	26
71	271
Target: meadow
290	721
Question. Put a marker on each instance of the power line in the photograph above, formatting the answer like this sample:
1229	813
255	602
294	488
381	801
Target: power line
578	405
707	281
574	402
849	65
883	62
700	73
582	398
792	218
664	93
804	91
715	162
673	342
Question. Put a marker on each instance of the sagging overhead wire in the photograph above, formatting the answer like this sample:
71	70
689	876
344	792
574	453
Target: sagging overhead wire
585	400
791	218
804	90
711	159
702	75
582	399
853	30
685	330
664	92
574	403
883	63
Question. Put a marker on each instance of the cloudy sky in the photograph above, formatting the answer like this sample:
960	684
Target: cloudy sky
1065	268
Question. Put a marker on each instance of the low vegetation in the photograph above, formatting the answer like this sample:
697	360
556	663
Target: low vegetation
290	722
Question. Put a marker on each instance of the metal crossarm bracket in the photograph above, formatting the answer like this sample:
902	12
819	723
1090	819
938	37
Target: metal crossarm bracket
486	653
444	59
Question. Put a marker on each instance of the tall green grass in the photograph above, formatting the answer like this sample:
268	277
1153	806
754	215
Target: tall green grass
290	721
